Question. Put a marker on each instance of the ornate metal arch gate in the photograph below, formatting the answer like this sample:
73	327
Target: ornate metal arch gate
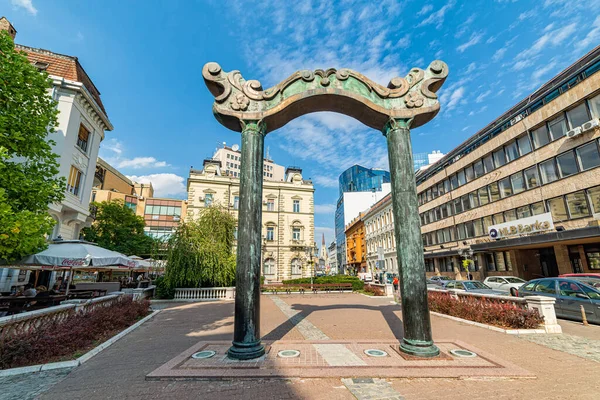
409	102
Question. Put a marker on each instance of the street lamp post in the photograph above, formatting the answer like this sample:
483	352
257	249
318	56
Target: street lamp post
308	252
467	254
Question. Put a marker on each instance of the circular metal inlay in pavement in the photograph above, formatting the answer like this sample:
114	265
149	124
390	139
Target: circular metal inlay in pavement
288	353
463	353
204	354
375	353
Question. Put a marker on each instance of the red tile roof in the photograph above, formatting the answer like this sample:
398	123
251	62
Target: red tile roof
64	66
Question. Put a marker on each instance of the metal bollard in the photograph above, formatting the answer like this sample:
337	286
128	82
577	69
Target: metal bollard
583	317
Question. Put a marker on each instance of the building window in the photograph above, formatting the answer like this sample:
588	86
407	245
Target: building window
208	200
505	188
510	215
557	207
524	144
469	173
483	196
270	205
592	253
567	164
473	199
295	233
517	182
512	152
558	127
531	177
494	191
588	156
500	262
578	115
540	137
498	218
577	204
269	267
487	222
454	181
296	206
74	182
461	177
594	195
538	208
523	212
236	202
235	233
595	106
270	233
478	169
548	171
488	163
82	138
478	228
499	158
296	266
457	206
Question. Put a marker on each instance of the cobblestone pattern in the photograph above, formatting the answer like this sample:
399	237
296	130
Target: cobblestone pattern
305	327
575	345
338	355
29	386
371	389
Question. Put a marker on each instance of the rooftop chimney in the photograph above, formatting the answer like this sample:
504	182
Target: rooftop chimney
5	25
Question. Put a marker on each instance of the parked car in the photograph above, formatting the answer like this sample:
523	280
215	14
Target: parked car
472	287
438	280
506	284
570	295
590	275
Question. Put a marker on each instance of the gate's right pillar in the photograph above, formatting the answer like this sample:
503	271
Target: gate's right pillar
417	339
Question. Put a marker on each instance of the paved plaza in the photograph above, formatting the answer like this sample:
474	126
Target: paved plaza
119	372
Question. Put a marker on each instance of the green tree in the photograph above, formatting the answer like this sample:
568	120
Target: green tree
117	228
200	253
28	166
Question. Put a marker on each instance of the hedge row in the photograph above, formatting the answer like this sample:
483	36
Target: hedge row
357	284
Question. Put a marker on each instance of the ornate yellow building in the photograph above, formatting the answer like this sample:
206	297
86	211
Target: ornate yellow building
356	253
287	216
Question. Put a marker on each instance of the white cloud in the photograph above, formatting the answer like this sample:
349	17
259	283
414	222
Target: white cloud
478	111
464	27
112	145
522	64
26	4
550	39
526	15
592	38
165	185
437	18
455	98
482	96
326	181
473	40
540	72
325	208
324	230
470	68
426	8
141	162
403	42
499	54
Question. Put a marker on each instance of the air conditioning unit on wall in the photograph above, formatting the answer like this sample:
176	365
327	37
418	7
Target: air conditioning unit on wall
590	125
574	132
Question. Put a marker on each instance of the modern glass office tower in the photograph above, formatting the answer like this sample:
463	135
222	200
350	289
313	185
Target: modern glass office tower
355	179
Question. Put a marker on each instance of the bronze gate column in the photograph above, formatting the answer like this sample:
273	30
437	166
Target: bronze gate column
246	331
417	339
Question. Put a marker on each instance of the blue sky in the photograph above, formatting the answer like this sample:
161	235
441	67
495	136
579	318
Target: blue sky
146	59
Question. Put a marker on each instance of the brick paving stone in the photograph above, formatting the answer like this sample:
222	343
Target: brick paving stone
28	386
119	371
576	345
373	389
306	328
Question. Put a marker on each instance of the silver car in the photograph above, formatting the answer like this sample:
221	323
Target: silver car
471	287
570	295
505	284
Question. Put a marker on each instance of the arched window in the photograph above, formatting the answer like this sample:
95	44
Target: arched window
269	267
296	266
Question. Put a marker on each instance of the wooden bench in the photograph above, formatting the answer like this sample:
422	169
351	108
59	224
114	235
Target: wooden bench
303	287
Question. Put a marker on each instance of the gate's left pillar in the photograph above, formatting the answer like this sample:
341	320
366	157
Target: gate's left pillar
246	334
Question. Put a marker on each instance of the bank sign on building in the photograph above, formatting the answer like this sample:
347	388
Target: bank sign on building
523	226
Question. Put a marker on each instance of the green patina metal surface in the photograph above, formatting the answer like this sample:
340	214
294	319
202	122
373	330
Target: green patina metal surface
243	106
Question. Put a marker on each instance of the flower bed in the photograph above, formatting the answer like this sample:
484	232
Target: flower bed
479	309
373	290
65	339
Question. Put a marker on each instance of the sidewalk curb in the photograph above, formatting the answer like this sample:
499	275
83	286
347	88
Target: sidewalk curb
490	327
75	363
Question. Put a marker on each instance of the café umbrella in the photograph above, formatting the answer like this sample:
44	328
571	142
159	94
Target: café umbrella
79	255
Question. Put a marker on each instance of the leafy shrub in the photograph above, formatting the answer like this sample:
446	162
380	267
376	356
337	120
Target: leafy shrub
357	284
373	290
484	310
56	341
163	290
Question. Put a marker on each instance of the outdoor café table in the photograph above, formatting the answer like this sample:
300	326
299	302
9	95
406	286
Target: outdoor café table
14	304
